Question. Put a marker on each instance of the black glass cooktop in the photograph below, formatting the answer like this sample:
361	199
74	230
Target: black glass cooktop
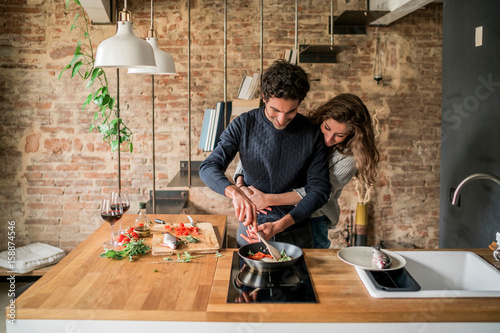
247	285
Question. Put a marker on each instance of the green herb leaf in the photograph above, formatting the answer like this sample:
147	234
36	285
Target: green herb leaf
191	239
132	249
217	254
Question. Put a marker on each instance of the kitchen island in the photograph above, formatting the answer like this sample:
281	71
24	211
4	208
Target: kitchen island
86	293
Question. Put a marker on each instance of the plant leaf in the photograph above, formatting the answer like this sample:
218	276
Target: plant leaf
114	145
111	103
87	101
114	126
95	73
91	127
98	100
63	70
76	68
77	54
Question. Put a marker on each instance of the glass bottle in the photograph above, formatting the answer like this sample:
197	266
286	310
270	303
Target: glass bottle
142	222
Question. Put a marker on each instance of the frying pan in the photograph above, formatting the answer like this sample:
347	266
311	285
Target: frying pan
291	250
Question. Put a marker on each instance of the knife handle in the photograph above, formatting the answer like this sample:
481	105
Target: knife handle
159	221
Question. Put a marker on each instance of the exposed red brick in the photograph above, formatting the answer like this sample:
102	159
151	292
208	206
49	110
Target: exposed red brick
32	143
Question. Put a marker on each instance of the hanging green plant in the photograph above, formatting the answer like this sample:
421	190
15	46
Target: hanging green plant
114	131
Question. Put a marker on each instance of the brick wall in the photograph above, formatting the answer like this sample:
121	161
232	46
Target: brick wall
53	172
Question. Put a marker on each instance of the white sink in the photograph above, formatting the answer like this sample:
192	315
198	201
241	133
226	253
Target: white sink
443	274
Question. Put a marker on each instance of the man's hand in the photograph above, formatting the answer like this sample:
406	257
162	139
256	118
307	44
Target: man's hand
244	209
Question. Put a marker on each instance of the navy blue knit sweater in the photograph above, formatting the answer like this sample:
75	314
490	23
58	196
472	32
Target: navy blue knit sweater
274	161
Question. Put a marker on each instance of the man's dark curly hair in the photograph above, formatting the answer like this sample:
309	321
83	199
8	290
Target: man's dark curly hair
284	80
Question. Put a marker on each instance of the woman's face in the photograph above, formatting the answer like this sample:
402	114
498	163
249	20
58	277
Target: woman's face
334	132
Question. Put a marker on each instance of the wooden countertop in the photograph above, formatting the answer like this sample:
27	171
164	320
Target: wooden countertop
84	286
343	298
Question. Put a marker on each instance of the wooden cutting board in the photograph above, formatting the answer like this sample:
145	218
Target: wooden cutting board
208	241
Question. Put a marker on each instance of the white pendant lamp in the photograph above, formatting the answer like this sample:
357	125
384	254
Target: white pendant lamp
124	50
164	61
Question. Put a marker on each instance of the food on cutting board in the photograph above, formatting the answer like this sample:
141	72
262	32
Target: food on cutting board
182	235
260	256
169	240
380	259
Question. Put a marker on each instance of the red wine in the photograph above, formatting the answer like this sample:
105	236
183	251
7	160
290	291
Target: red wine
124	206
111	216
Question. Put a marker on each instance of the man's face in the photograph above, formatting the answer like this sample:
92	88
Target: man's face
281	111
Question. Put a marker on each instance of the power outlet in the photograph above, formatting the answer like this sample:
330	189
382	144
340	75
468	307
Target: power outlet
452	191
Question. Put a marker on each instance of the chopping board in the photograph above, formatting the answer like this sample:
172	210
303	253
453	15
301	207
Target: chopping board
208	240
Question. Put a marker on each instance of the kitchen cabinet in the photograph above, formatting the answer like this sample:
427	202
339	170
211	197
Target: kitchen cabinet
88	293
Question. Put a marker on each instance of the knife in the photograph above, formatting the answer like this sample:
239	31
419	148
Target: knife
191	220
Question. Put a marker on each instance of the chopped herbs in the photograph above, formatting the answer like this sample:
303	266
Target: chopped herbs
134	248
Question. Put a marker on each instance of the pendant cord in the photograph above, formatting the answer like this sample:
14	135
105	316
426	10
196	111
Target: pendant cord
118	128
153	147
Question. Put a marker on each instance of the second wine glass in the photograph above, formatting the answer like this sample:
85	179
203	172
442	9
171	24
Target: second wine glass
122	199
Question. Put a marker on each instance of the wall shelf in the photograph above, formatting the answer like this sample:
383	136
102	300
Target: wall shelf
354	22
167	202
182	177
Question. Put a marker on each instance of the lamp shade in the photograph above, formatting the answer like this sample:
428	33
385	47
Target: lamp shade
124	50
164	61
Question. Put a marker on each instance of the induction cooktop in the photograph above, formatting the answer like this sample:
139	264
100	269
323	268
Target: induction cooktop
249	285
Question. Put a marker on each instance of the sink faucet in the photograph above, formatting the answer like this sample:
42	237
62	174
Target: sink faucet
470	178
475	176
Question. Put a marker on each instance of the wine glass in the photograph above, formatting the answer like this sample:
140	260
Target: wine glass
123	200
111	212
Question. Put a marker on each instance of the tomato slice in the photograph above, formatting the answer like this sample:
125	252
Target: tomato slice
259	255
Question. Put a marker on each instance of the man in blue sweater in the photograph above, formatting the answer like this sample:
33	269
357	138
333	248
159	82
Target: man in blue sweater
280	150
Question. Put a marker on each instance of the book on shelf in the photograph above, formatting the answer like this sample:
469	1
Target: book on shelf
213	125
249	86
291	56
221	121
208	122
245	85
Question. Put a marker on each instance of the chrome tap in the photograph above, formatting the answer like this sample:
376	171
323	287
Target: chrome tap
475	176
470	178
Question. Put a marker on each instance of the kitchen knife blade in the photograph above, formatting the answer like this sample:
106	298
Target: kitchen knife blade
191	220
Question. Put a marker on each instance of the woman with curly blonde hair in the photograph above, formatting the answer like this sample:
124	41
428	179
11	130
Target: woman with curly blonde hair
349	136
